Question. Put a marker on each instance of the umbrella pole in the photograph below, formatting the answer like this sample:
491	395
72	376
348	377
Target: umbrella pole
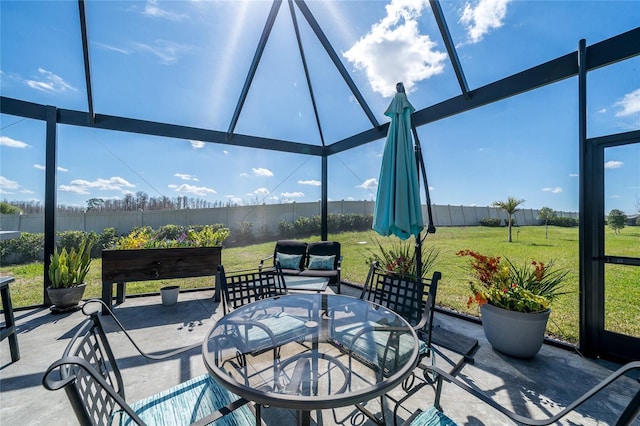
431	229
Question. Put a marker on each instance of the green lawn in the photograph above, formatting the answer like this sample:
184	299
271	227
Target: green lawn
529	242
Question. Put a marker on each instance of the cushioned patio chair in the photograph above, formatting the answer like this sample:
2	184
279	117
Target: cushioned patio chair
89	374
411	298
433	416
320	259
240	288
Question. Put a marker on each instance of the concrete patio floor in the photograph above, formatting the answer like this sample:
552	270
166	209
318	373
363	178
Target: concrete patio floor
539	387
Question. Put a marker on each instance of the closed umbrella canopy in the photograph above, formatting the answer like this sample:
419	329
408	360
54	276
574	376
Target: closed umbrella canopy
398	210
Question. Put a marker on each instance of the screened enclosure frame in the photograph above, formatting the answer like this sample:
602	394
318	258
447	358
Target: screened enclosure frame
574	64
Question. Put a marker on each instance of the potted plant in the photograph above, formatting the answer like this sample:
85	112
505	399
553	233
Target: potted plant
399	258
514	301
67	273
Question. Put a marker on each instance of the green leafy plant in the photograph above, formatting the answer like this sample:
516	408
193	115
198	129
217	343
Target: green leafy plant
69	268
527	288
147	238
399	257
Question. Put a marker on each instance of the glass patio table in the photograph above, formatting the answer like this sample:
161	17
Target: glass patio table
310	351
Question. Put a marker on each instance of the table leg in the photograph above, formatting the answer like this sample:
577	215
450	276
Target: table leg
120	292
10	324
304	418
107	288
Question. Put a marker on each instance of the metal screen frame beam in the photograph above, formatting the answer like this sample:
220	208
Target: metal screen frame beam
336	60
451	49
85	56
273	13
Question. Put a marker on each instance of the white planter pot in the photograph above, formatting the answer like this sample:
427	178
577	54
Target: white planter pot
515	334
169	295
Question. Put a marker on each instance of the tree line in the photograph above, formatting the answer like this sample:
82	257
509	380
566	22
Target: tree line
130	202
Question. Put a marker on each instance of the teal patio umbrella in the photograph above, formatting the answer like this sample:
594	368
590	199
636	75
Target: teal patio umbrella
398	210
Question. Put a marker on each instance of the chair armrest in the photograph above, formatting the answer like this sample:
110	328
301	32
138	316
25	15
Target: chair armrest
630	411
262	261
135	345
51	384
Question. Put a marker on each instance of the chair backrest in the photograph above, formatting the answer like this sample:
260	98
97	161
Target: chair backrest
292	248
324	248
410	297
242	287
90	376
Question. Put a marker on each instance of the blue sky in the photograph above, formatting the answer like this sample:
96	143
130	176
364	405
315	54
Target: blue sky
185	62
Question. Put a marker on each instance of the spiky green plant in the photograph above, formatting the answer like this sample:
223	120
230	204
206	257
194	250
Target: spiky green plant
69	269
400	257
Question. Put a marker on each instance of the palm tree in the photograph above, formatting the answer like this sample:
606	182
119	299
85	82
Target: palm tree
510	207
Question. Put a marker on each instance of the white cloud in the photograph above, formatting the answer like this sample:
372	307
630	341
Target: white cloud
43	167
225	152
630	104
167	51
186	177
152	9
602	111
261	172
371	183
394	50
261	191
12	143
197	144
81	186
50	83
8	184
234	199
612	164
555	190
75	189
292	194
573	175
244	174
201	191
110	48
310	182
485	16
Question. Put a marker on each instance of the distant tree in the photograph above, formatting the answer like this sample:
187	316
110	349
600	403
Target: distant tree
616	220
546	214
94	204
510	207
6	208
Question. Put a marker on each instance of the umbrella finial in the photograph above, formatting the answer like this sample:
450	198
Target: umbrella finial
400	87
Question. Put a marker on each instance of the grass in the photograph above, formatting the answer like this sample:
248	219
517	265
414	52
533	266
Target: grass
529	242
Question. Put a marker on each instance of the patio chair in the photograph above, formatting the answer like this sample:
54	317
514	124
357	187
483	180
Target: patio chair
411	298
320	259
89	374
434	416
260	332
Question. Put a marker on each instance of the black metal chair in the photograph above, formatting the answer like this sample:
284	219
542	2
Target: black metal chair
411	298
433	416
260	331
89	374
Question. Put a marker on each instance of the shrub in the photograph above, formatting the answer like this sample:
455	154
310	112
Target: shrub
244	233
565	222
107	239
69	240
306	226
28	248
493	222
286	229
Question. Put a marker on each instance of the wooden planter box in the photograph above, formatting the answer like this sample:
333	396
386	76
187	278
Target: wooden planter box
122	266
